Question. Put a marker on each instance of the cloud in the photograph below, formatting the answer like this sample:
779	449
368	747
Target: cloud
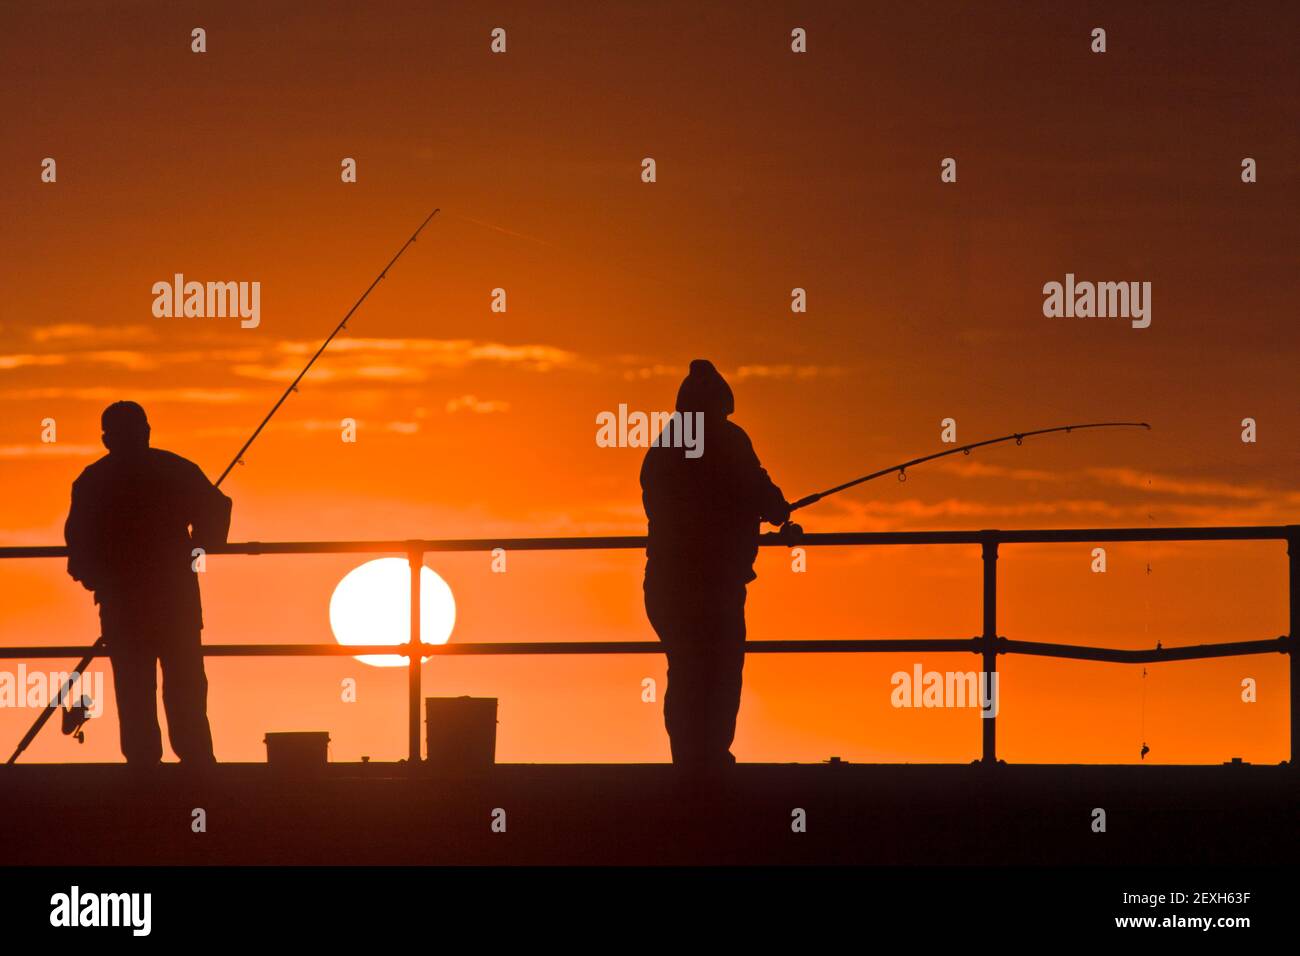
1150	482
132	360
24	359
784	371
914	508
472	404
203	396
539	357
979	469
363	372
851	515
1165	484
648	370
310	425
81	331
374	359
50	450
651	371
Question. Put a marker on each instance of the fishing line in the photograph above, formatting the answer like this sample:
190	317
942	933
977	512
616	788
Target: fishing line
1146	615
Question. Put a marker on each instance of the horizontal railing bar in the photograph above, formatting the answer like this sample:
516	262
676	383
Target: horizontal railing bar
1278	645
1043	535
816	539
941	644
223	650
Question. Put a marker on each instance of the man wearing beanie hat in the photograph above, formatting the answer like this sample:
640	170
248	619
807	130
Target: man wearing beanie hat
137	515
704	517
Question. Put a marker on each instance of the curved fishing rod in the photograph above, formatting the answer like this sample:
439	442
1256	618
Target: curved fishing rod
98	647
293	386
966	449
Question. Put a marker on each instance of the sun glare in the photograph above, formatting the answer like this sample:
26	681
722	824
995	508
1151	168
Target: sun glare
372	605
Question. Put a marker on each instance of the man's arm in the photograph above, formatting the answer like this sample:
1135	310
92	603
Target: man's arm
209	511
79	536
763	493
773	508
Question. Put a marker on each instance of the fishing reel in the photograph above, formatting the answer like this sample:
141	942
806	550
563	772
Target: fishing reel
75	717
790	532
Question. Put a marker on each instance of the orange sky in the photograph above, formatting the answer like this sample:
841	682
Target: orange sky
775	170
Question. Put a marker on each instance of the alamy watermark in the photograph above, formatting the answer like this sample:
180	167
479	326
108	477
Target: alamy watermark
1085	300
626	429
921	688
41	689
75	908
200	300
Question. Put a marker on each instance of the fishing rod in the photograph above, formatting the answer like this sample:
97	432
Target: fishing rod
293	386
98	647
1018	437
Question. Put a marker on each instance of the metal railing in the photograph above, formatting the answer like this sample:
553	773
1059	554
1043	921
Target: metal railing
988	644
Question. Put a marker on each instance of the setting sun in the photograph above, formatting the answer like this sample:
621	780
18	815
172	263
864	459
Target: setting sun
372	605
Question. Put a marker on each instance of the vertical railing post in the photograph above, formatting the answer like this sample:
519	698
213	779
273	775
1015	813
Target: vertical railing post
989	552
415	557
1293	635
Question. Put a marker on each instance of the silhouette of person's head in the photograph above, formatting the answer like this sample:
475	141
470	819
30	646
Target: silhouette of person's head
705	390
126	429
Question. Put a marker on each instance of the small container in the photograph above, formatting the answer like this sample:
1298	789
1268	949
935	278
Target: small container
298	751
460	733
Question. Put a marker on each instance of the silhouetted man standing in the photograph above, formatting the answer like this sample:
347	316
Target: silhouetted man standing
137	515
704	516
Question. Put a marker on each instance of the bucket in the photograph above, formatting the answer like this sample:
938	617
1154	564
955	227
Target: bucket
298	750
460	733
